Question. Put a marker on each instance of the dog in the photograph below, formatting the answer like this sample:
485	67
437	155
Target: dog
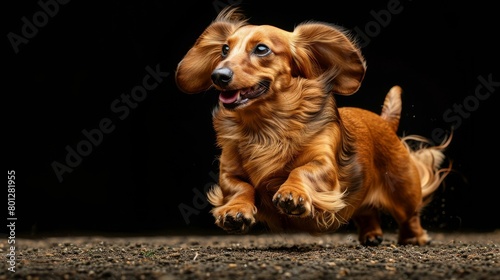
290	158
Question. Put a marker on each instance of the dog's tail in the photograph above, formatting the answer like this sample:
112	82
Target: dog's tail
428	159
391	111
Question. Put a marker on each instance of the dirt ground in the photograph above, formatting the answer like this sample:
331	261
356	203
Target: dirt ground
257	256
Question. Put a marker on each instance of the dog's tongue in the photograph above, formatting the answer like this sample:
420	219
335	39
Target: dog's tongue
229	97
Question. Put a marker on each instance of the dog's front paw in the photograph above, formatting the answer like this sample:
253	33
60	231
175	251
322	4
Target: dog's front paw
292	202
236	219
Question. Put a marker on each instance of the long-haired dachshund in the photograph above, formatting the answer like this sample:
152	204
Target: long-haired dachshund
289	157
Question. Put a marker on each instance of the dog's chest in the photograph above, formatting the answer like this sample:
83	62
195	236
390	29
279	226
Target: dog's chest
266	162
264	148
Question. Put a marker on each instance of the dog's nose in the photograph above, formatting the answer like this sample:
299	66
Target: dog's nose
222	76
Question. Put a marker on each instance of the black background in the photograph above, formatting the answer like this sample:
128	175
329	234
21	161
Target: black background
161	156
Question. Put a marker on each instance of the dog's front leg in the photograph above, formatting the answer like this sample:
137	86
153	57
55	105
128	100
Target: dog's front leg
233	200
310	187
235	204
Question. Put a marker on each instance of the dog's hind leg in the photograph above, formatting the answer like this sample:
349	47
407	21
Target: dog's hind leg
411	231
427	162
367	220
404	204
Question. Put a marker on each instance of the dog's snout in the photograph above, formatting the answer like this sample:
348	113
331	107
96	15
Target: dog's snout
222	76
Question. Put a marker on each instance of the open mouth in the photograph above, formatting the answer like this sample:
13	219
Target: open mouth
234	98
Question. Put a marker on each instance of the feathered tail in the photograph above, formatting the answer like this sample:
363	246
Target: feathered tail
391	111
427	158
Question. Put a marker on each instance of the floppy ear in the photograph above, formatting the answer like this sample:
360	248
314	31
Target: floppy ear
194	70
324	51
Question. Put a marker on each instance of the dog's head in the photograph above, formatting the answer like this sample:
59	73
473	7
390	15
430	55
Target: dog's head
248	62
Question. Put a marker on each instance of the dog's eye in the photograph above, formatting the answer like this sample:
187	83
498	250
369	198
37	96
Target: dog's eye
262	50
225	50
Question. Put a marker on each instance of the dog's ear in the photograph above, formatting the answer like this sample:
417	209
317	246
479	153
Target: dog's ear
194	70
326	52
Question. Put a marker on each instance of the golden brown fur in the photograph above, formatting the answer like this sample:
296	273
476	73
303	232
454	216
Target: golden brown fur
290	158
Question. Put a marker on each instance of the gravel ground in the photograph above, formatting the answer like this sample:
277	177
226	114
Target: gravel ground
258	256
